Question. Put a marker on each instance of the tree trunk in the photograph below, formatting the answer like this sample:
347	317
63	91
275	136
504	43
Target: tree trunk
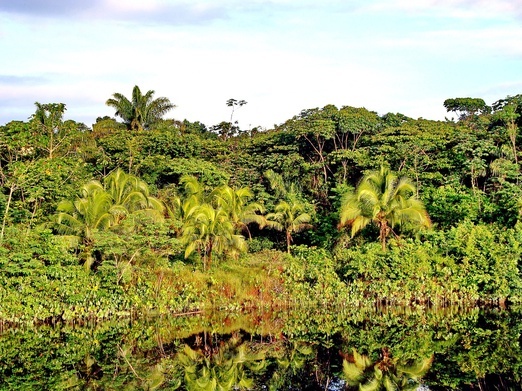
288	240
6	212
383	233
51	149
512	132
207	259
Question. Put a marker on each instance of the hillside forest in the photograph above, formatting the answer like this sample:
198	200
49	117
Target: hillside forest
139	214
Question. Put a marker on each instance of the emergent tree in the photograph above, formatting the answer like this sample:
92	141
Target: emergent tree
142	110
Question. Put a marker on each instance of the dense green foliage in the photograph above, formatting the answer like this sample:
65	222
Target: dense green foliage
163	215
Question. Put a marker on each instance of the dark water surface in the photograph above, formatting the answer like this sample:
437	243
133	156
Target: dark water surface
301	349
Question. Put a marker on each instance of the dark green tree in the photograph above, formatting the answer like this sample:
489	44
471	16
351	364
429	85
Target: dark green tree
467	108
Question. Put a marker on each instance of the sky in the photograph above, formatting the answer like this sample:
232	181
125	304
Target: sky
281	56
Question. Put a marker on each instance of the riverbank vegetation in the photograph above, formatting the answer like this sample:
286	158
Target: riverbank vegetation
334	207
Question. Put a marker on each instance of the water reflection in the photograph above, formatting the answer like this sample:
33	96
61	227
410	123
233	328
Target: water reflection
231	364
388	373
309	349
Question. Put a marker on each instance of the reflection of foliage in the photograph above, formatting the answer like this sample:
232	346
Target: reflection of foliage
290	363
386	374
469	348
226	367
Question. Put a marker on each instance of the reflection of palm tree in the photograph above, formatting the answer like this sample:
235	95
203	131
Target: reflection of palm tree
290	363
385	200
386	374
226	368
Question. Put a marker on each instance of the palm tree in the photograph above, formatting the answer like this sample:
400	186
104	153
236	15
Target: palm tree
289	216
142	110
281	188
130	194
180	208
290	213
100	207
210	231
240	211
384	199
211	222
91	211
81	218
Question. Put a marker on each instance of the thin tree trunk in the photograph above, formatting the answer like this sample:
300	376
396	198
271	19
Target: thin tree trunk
383	233
32	218
512	131
208	256
6	212
288	241
345	170
248	231
51	149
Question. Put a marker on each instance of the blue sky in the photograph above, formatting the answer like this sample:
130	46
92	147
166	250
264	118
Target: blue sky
281	56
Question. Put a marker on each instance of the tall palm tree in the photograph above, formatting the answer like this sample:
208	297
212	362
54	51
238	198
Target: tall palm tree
289	216
384	199
142	110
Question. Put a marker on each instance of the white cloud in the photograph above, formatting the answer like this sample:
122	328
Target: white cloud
465	9
132	5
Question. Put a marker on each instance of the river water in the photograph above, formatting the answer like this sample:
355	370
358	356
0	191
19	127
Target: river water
290	349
